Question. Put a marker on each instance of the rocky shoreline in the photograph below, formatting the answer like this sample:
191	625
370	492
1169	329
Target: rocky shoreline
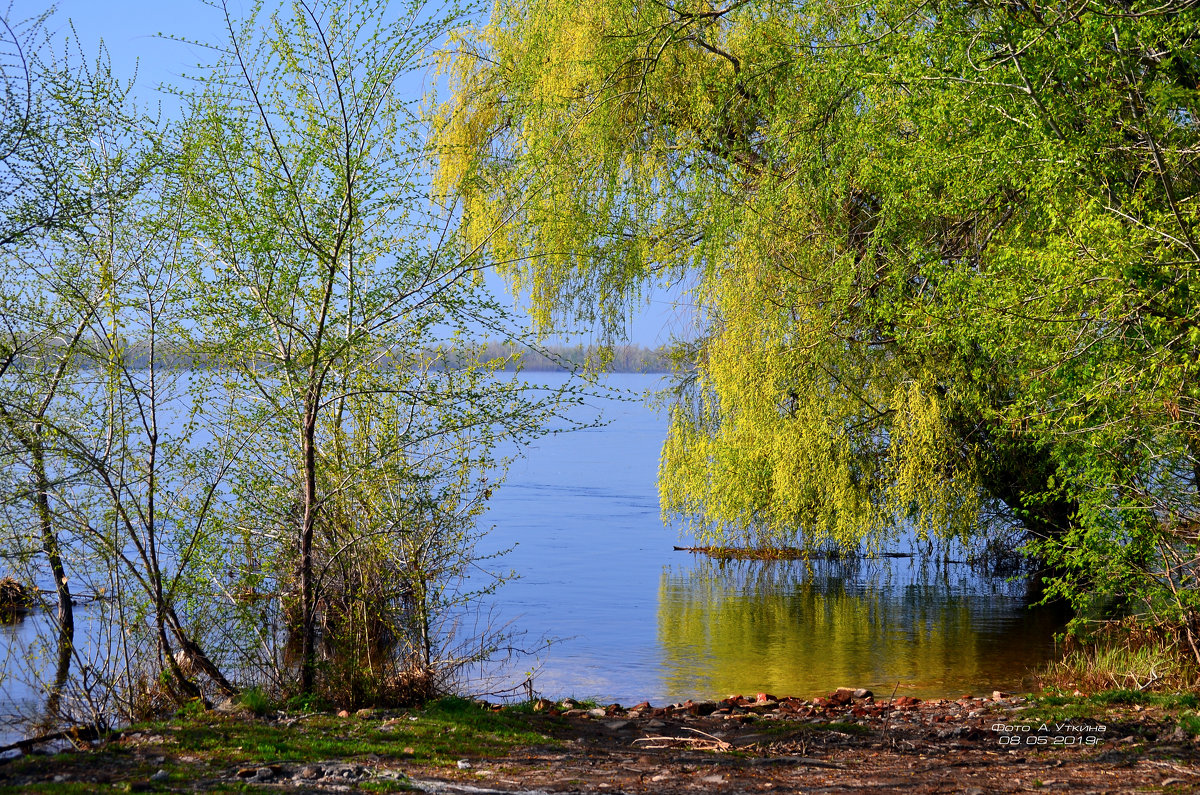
848	741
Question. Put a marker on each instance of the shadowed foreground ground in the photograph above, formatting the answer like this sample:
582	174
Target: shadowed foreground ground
1115	742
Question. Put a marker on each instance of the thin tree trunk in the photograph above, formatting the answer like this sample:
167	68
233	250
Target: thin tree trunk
50	545
307	587
190	689
195	655
32	441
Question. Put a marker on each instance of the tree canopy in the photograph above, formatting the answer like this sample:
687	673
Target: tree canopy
941	256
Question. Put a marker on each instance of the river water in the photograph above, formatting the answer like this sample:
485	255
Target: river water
633	619
629	618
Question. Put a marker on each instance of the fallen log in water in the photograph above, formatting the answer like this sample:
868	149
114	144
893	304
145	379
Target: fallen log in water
786	553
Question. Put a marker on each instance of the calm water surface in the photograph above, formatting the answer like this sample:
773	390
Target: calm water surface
637	620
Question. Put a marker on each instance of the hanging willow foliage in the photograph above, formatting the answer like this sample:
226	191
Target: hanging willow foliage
941	256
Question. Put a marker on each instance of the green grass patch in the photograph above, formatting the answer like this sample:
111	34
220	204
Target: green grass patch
442	733
1068	708
1190	723
257	701
1123	697
527	707
1151	699
386	786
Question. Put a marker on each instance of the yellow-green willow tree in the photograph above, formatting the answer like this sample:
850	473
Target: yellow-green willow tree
941	256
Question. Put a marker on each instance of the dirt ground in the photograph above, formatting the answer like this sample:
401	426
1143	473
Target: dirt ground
902	745
757	744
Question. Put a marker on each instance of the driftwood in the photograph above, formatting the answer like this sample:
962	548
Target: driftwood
710	743
75	735
807	761
705	743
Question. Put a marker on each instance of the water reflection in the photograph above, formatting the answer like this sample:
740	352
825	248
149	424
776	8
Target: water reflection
803	628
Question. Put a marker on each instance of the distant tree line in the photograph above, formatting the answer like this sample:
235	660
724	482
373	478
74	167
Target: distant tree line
506	356
616	358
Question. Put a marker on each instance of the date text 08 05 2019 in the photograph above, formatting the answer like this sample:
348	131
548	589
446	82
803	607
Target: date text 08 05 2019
1048	739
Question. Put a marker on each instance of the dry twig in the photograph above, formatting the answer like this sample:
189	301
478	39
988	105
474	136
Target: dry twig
693	743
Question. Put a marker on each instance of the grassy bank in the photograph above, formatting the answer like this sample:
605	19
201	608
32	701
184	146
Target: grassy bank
684	746
231	749
1129	654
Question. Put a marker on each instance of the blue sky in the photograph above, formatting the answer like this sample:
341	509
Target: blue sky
133	31
130	29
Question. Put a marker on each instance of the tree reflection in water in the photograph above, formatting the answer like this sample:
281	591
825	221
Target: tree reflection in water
805	627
